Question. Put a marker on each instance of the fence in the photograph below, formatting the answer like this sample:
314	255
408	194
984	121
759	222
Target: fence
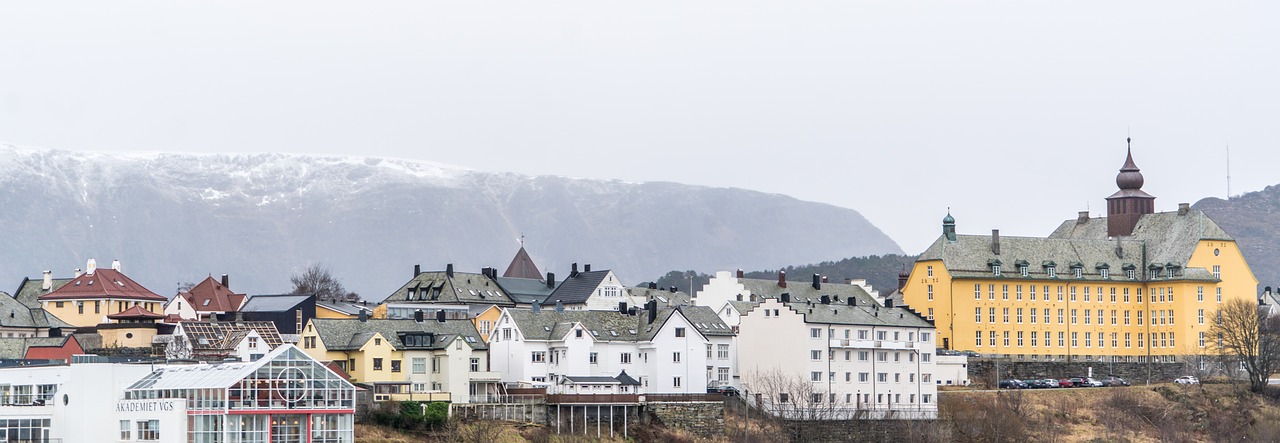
592	398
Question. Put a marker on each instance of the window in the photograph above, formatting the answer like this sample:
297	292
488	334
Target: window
1073	293
675	382
864	355
926	357
675	357
539	356
977	293
419	365
1113	316
1033	315
929	270
395	365
679	332
991	313
1073	316
1126	339
1217	272
815	376
148	430
377	364
1086	316
1059	293
1019	339
125	426
308	342
815	333
708	351
377	342
882	356
1004	292
1086	293
1060	317
991	338
1006	315
864	377
1022	270
1114	343
1106	273
1033	339
991	292
1052	271
1219	291
1079	271
1075	339
475	364
1200	316
1088	339
925	336
1019	315
995	269
815	355
881	335
80	307
1061	342
1139	318
626	358
1202	339
930	289
722	352
882	377
978	337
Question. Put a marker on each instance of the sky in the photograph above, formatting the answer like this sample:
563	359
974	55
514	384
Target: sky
1012	114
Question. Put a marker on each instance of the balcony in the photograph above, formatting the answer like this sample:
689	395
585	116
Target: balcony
485	376
875	344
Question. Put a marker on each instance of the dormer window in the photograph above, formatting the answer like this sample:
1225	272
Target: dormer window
1052	271
1106	273
995	266
1173	269
1023	267
1079	272
1131	274
1023	270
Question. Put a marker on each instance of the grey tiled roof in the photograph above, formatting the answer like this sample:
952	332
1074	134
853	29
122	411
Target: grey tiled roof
345	307
351	334
592	379
577	289
1167	238
463	288
807	300
612	325
662	296
525	291
29	290
14	313
16	348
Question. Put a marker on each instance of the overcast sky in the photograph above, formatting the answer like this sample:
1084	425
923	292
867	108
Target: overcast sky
1014	114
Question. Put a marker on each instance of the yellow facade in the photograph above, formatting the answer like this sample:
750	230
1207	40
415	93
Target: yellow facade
486	320
91	312
324	312
127	337
1081	318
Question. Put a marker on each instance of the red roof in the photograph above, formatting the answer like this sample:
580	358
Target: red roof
211	296
135	312
69	347
333	366
103	283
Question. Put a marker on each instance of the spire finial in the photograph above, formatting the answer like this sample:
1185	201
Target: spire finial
521	239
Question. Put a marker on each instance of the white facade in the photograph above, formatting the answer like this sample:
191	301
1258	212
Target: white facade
666	356
180	307
833	371
104	402
721	289
952	370
606	296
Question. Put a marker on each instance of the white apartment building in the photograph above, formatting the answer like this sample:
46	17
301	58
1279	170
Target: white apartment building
827	351
681	349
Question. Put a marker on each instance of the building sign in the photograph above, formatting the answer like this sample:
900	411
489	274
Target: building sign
146	405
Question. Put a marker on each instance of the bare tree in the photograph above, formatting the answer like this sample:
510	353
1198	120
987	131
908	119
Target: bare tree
319	280
789	396
1245	335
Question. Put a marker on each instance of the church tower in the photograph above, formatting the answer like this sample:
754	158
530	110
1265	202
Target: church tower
1127	205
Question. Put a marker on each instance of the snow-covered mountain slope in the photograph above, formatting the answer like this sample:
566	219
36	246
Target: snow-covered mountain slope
173	218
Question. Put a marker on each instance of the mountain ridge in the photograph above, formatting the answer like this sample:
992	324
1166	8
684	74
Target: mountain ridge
173	218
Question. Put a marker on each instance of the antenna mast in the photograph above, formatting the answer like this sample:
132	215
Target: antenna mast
1228	171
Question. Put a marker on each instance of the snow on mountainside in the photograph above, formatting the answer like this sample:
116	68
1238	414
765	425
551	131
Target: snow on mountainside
173	218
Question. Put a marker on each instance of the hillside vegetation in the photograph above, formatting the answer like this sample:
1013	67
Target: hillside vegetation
1251	219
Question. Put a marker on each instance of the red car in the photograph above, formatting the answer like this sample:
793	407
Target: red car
1065	383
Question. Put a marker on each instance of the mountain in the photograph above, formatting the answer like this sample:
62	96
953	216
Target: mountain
1251	219
175	218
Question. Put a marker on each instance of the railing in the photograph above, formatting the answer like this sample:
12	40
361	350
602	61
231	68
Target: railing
509	398
679	398
415	396
592	398
863	413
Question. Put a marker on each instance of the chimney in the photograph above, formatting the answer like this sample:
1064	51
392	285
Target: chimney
226	281
48	281
78	272
826	299
825	279
1119	249
448	270
902	279
817	281
995	241
673	289
551	280
631	311
1184	208
536	308
417	269
559	306
853	301
740	274
622	307
115	265
1082	217
440	316
785	297
782	279
653	285
417	315
90	266
586	267
653	311
364	316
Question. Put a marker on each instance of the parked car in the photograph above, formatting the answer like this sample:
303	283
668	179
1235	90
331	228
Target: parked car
1043	383
1012	383
1115	381
1187	380
1093	383
724	390
1066	383
972	354
1078	382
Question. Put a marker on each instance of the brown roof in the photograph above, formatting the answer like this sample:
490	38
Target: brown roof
102	283
211	296
522	267
135	312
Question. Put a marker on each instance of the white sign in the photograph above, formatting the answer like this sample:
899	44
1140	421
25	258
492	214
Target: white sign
145	405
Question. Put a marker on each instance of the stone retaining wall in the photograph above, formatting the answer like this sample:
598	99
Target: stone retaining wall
983	370
704	419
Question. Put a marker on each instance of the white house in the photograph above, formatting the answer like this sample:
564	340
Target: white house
680	349
827	351
592	291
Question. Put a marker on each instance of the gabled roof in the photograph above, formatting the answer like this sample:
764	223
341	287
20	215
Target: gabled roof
807	300
343	307
589	379
12	348
522	267
664	297
546	324
103	283
525	291
212	337
275	302
211	296
458	288
135	313
16	314
705	320
578	288
1166	237
626	380
32	288
351	334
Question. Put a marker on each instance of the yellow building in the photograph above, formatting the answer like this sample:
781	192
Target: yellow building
413	359
1134	286
90	297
